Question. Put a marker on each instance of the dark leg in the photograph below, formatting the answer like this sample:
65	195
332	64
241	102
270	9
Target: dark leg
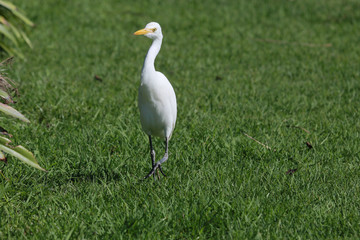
152	153
158	164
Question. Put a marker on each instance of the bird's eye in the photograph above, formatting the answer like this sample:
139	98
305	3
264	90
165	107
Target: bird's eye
153	30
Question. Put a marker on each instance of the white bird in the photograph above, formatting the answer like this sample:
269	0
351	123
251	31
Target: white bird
156	100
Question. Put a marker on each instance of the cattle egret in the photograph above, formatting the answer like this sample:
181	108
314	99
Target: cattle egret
156	100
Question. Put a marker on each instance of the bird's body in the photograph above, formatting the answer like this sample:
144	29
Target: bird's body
157	105
156	100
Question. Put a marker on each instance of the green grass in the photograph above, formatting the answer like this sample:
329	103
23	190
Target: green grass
275	75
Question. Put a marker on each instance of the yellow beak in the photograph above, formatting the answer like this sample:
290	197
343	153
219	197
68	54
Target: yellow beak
142	31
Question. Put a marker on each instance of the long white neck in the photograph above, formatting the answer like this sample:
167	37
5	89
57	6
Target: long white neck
151	55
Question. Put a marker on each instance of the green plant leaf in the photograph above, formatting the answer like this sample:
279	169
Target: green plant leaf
2	156
12	112
19	34
11	51
4	95
13	32
11	7
11	27
26	39
4	30
19	152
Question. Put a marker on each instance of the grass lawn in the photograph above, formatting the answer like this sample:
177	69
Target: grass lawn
283	72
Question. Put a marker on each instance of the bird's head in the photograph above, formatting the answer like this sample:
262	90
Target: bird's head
152	30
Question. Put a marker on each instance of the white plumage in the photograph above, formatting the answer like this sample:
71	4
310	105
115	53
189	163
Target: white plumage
157	100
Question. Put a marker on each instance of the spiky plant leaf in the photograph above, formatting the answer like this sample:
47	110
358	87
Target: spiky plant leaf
19	152
5	96
5	31
2	156
6	84
11	21
26	39
12	8
11	51
12	112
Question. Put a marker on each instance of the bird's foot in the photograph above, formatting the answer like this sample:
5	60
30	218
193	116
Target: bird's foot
152	172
